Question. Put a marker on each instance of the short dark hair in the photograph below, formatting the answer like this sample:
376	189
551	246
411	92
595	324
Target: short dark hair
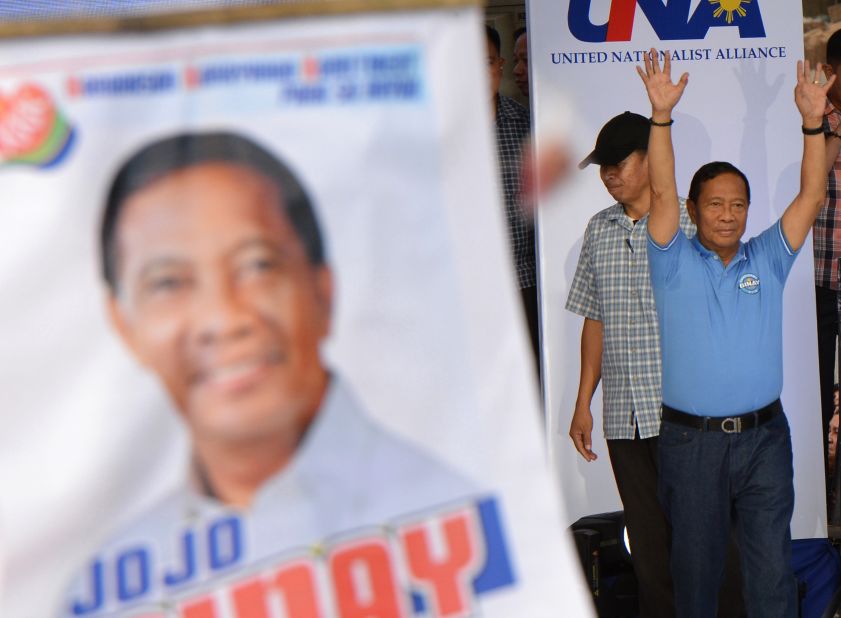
712	170
493	37
166	156
833	49
518	33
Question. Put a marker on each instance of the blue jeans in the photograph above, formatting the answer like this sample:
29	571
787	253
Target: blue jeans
712	480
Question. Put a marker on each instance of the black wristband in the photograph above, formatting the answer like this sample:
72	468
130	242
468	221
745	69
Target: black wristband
654	123
815	131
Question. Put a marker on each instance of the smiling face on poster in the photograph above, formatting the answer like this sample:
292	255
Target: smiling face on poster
212	288
263	316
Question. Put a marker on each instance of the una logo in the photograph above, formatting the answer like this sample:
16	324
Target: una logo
749	284
32	130
670	19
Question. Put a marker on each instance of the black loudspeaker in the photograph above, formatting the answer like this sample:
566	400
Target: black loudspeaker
607	564
587	542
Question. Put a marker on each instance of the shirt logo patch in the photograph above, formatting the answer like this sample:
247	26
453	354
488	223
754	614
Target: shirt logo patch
749	284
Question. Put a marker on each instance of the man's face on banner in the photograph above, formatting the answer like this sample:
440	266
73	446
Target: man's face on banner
219	299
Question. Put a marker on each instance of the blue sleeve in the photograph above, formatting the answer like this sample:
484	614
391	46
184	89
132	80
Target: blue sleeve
663	259
773	245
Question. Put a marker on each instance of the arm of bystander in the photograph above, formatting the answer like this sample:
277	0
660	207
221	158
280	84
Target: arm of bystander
581	427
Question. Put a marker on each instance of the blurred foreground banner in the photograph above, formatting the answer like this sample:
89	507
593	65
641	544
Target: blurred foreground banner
262	353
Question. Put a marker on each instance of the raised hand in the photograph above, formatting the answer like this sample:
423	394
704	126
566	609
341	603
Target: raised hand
809	94
662	93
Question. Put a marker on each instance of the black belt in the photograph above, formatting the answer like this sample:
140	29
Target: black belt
729	424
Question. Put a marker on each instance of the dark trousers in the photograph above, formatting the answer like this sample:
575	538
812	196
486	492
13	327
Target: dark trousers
826	305
634	464
712	482
532	311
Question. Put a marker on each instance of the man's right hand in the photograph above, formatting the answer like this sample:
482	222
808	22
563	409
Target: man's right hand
581	431
662	93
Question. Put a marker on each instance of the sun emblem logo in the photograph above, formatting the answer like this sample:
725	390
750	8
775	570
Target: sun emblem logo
729	7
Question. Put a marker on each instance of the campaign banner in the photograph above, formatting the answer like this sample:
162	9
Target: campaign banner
741	58
263	353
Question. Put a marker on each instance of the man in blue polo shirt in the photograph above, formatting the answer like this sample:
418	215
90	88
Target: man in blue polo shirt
725	447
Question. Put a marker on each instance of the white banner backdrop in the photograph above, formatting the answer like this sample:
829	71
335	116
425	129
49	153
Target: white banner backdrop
738	107
385	121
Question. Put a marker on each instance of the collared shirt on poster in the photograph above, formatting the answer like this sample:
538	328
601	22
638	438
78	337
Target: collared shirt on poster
827	229
349	474
612	285
512	129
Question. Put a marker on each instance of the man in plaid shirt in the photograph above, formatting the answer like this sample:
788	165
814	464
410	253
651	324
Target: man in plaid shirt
827	240
620	347
511	121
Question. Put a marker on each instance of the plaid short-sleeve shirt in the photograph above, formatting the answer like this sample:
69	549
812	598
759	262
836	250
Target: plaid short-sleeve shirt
827	229
512	129
612	285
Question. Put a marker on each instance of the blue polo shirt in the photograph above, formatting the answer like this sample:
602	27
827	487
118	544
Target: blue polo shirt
721	328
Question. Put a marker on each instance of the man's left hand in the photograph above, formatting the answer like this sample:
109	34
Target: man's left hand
810	94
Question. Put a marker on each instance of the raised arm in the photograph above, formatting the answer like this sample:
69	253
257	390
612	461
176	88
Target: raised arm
664	216
810	97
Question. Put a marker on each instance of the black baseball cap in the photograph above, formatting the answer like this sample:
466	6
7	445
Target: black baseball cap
619	137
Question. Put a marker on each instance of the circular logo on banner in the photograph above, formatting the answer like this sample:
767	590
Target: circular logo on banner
33	130
749	284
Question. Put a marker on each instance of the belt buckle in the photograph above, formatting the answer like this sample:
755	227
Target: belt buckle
737	425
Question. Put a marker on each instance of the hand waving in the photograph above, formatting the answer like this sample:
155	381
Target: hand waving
809	94
662	93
